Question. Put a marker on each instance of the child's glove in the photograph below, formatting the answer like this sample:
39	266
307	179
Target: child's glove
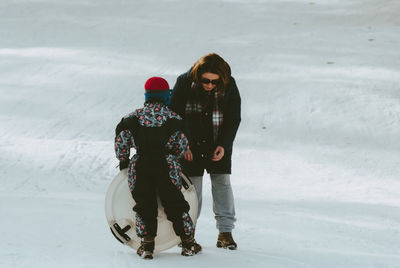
123	164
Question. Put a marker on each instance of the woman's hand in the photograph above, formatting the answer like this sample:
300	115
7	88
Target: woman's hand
218	153
188	155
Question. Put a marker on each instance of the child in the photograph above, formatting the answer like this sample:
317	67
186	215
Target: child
155	132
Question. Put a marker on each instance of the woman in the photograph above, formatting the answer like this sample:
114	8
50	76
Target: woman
156	134
208	99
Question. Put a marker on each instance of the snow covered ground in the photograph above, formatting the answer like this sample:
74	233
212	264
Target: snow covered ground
316	169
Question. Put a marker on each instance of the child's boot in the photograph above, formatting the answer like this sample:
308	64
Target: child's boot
189	246
146	247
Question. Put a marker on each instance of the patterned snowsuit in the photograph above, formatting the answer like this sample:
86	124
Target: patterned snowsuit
156	133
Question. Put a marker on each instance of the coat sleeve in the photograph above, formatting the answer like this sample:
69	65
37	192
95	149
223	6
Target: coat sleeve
178	99
232	118
177	143
124	139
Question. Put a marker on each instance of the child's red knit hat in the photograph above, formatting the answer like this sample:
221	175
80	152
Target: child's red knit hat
157	84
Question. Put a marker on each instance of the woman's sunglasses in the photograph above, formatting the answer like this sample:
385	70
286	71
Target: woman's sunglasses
208	81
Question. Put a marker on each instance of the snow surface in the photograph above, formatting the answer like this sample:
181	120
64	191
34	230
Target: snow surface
316	171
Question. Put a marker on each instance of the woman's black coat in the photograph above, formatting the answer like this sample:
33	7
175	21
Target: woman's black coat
227	131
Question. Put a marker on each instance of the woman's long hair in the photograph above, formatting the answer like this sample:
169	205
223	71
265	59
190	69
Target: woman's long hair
212	63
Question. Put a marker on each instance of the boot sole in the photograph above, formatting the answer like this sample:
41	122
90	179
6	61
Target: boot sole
145	255
221	245
190	253
148	257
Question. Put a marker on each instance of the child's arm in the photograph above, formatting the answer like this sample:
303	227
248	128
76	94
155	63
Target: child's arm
178	144
124	141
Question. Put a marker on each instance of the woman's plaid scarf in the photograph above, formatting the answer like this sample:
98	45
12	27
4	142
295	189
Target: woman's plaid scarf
193	105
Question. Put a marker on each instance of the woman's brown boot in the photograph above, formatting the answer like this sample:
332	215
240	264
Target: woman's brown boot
225	240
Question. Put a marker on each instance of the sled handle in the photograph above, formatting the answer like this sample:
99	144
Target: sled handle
186	182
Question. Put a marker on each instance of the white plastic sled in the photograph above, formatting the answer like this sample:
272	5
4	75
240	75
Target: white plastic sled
121	218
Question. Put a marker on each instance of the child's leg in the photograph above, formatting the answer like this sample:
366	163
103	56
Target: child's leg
176	207
145	196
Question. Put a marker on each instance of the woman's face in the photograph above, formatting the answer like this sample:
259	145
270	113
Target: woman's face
209	81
